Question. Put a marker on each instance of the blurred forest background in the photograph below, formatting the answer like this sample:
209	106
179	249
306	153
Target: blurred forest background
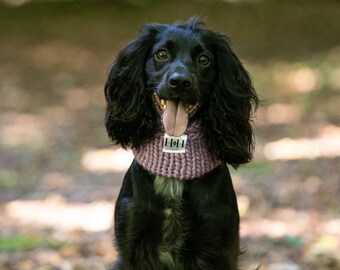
59	174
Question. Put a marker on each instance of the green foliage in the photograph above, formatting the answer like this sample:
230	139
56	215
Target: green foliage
293	241
259	168
22	243
8	180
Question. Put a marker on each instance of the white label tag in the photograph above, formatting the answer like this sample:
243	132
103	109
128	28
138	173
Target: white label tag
174	144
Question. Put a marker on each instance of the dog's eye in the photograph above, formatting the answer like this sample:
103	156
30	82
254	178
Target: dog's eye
161	55
204	60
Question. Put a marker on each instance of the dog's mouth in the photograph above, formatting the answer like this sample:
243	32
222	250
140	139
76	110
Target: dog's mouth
175	114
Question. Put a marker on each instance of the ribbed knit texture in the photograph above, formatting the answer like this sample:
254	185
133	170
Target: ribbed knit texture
195	162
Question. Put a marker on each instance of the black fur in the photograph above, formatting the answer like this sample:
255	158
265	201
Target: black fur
210	223
207	217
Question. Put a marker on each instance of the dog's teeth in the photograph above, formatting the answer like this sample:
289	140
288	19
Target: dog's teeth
162	102
192	108
164	107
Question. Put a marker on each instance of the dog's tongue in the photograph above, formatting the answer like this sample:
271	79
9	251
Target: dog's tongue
175	118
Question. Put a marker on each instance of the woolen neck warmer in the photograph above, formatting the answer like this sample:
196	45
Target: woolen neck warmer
195	162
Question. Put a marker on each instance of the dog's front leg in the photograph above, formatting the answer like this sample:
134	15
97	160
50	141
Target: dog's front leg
138	222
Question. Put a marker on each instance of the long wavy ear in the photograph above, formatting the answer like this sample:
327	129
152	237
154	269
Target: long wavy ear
228	116
130	117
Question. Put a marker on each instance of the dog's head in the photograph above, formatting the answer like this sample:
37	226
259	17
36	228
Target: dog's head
181	71
173	74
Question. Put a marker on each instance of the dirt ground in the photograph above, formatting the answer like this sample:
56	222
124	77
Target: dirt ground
60	176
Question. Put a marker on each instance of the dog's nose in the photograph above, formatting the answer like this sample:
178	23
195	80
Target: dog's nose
178	81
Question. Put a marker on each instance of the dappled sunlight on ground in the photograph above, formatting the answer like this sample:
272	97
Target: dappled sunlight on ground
290	222
279	113
107	160
303	80
54	212
327	144
57	213
18	129
303	232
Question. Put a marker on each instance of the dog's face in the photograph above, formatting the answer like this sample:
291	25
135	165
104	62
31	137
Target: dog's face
181	71
177	73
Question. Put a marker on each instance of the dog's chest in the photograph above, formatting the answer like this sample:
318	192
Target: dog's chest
173	229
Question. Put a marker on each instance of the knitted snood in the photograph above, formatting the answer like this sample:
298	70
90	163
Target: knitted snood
195	162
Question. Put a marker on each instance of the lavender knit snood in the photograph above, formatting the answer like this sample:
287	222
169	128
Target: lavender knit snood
195	162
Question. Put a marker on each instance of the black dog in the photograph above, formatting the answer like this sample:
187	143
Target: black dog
172	78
